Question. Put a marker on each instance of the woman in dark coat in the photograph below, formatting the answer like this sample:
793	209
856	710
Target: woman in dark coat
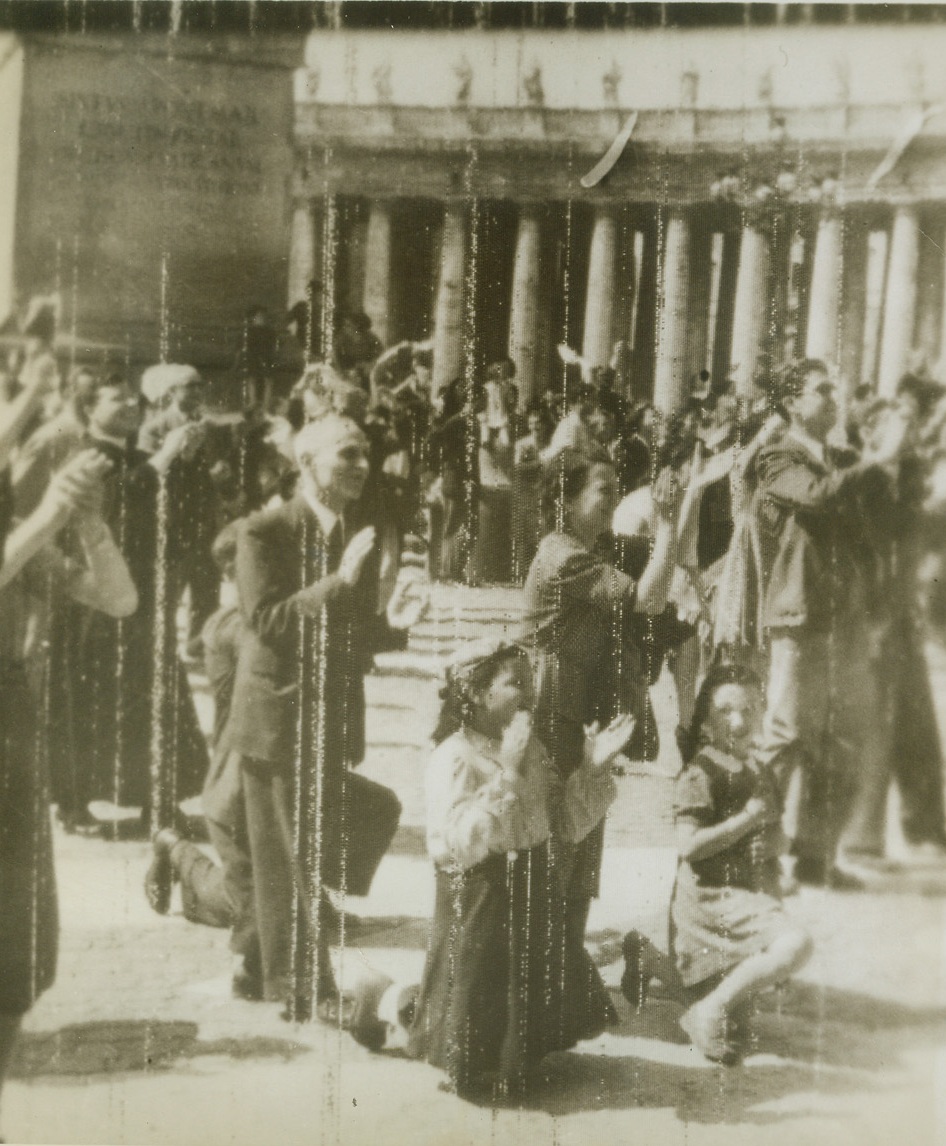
578	608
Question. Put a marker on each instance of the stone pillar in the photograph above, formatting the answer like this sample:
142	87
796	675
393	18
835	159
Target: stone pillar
929	275
717	248
824	296
899	300
853	300
670	367
377	297
874	276
448	310
602	282
525	312
749	307
700	278
301	252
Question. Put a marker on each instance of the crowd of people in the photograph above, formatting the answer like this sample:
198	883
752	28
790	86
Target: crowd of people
775	560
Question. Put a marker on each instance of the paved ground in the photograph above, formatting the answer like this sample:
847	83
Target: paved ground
139	1041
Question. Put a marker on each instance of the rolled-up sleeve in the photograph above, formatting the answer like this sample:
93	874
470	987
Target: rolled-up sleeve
587	795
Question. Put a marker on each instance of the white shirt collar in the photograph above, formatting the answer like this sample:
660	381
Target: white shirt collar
812	445
325	517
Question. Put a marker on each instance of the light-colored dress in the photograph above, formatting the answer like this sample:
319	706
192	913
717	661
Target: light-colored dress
501	987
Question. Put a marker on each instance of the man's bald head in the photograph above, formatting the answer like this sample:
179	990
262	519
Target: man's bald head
332	452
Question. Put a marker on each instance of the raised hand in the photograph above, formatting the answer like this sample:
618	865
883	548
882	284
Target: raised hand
356	554
892	441
757	812
667	494
515	741
77	486
603	744
185	440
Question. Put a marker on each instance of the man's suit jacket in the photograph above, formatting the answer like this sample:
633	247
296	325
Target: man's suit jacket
811	534
299	688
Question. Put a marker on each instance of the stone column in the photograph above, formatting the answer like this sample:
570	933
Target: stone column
853	301
448	310
525	312
670	367
899	300
377	296
301	252
929	276
602	281
824	296
749	307
874	276
717	249
699	339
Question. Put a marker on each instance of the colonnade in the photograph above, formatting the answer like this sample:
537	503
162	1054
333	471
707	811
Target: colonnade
849	283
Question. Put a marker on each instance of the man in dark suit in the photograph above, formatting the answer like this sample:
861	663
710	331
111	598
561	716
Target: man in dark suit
308	576
122	710
822	712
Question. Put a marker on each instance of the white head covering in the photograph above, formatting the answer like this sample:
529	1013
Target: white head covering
158	381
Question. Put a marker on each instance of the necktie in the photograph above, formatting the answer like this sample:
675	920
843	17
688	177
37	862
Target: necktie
336	546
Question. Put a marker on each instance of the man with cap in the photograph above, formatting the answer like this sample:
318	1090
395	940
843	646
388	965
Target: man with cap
177	394
308	578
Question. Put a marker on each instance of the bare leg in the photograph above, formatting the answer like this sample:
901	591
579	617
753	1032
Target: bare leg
706	1021
788	954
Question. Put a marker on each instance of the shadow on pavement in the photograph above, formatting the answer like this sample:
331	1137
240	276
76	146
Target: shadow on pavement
131	1045
807	1040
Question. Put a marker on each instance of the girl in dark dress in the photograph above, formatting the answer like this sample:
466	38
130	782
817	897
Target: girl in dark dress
731	938
34	576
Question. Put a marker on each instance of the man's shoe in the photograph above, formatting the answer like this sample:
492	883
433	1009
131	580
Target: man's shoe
926	853
812	872
247	987
842	879
635	981
159	878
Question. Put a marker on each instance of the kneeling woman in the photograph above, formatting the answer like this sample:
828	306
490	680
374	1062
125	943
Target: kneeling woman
499	989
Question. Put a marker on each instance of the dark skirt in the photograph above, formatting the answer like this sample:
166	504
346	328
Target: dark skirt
29	917
502	987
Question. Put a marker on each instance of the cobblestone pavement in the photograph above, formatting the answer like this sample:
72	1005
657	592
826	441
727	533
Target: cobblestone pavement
140	1042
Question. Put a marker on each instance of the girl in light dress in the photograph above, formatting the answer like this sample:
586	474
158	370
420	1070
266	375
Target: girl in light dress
501	989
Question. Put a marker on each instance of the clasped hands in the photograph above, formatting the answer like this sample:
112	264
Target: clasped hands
600	747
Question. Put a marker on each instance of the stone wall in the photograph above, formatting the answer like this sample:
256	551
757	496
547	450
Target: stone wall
153	187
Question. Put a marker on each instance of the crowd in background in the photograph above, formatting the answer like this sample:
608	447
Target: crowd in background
792	537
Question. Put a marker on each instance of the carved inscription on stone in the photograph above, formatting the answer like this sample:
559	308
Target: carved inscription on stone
187	145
